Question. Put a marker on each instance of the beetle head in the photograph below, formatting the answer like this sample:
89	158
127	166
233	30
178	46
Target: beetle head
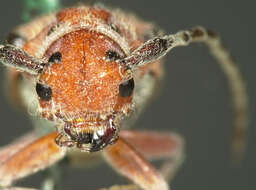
86	87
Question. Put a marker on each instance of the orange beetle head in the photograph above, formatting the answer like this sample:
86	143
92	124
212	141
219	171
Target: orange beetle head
85	87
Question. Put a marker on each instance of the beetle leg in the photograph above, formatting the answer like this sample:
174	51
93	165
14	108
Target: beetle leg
9	150
158	145
37	155
131	164
155	145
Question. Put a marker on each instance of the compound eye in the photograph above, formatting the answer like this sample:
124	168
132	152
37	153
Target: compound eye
126	88
44	91
112	55
55	58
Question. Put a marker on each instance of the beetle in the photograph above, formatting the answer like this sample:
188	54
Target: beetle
89	71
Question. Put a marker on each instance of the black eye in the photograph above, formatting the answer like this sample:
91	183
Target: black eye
112	55
43	91
55	58
126	88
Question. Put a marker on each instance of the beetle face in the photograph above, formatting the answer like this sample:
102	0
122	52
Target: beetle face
85	86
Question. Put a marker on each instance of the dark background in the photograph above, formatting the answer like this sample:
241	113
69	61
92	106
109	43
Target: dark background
194	100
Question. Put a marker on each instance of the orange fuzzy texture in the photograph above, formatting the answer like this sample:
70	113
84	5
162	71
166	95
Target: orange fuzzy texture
85	84
36	155
74	15
85	81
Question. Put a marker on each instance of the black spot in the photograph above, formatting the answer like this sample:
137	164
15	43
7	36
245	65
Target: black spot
115	28
152	73
163	44
52	29
112	55
55	58
211	34
85	138
126	88
101	141
197	33
112	23
43	91
97	145
186	37
14	38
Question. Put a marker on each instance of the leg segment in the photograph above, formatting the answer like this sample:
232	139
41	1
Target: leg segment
153	145
36	155
8	151
158	145
130	163
158	47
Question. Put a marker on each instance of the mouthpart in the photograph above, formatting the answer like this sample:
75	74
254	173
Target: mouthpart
88	140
